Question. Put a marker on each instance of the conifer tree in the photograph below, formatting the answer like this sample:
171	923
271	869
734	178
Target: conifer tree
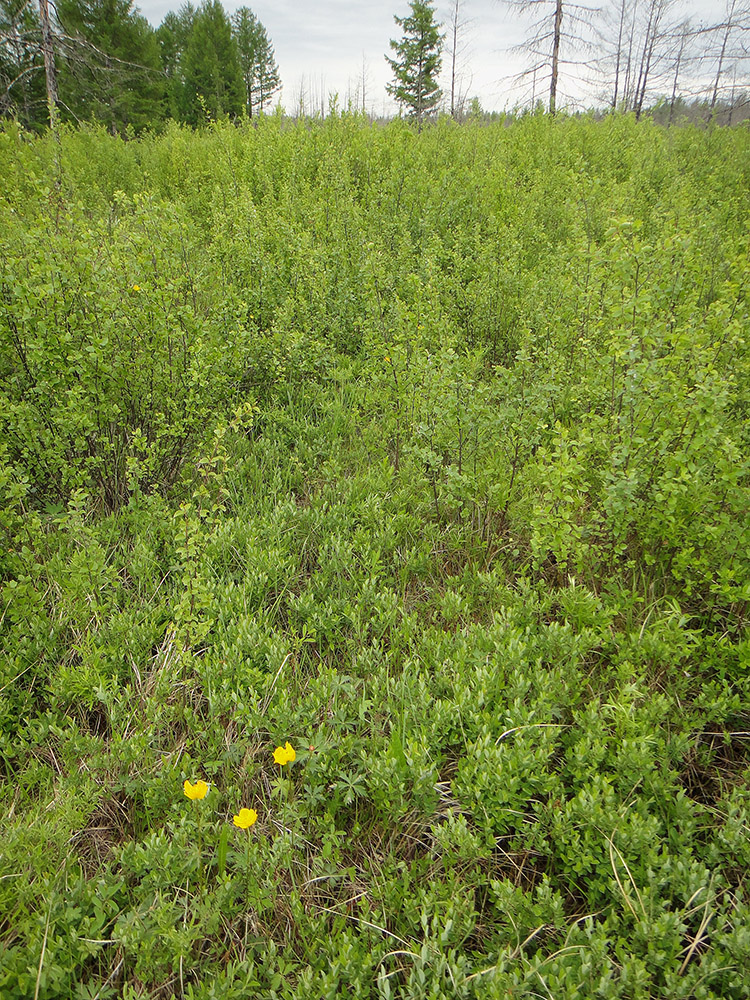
110	68
418	60
260	74
210	67
173	35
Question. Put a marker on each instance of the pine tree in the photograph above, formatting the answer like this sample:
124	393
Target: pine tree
417	62
210	67
260	74
110	68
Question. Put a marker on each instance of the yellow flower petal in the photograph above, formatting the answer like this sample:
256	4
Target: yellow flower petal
197	791
290	753
279	756
245	819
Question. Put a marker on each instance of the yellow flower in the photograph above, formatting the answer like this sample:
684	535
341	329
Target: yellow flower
197	791
284	755
245	819
136	288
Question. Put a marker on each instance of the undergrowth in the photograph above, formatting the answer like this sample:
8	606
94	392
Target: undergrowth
427	456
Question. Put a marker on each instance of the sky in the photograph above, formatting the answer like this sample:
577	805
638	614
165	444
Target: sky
325	47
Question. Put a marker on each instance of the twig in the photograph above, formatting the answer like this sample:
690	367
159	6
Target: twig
110	978
267	700
532	725
698	937
41	957
625	896
361	920
514	954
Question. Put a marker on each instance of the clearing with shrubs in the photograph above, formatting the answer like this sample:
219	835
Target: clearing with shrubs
375	561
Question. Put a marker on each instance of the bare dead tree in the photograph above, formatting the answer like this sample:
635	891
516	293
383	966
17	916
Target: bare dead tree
20	58
457	46
683	40
50	71
645	51
730	50
618	58
556	35
364	80
641	44
617	39
558	27
727	30
52	60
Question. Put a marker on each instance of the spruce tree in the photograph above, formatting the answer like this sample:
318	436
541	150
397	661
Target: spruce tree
260	74
210	67
110	68
417	62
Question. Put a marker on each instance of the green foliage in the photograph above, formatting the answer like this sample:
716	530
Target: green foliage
172	35
110	67
425	453
418	60
84	408
260	74
210	67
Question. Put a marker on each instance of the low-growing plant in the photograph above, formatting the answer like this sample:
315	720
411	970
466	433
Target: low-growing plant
419	461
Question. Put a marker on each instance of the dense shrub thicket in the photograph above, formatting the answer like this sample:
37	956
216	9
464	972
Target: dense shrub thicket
429	455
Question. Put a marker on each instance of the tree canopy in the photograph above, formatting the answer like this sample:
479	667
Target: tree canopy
212	82
111	68
114	67
260	74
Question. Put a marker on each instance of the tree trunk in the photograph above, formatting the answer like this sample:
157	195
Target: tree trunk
453	58
677	73
727	30
654	16
555	56
619	55
627	89
49	64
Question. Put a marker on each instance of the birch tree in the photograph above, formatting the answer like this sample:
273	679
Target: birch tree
22	82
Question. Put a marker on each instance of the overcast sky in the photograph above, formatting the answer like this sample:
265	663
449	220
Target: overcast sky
323	46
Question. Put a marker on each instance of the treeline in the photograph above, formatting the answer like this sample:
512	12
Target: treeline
101	60
113	67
